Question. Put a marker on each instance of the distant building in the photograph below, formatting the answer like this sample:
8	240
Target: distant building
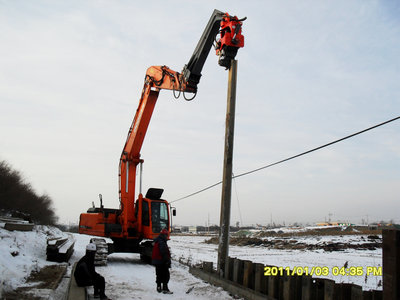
334	224
192	229
177	229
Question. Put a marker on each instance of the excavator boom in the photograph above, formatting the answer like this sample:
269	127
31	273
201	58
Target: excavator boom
145	217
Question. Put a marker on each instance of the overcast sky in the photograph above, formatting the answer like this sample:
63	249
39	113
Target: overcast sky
71	74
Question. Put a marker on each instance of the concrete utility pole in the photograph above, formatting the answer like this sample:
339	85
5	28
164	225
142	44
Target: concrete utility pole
223	248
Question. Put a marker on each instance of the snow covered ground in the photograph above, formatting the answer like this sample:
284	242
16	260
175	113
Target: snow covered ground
192	249
128	278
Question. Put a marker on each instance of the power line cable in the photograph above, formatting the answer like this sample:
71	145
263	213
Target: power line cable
237	198
290	158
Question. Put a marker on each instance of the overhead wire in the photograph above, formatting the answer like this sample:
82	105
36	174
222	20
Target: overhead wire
237	198
289	158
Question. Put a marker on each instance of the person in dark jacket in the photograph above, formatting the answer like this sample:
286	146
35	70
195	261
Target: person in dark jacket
85	274
161	259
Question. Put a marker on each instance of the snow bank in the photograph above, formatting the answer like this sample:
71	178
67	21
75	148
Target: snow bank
22	253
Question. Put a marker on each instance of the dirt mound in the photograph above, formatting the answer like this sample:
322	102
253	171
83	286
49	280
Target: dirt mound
285	244
323	231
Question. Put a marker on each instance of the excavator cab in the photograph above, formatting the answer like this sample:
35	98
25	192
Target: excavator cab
152	213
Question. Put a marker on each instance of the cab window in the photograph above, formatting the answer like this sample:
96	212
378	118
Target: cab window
159	216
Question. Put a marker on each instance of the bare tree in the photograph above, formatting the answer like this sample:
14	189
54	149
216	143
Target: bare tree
17	195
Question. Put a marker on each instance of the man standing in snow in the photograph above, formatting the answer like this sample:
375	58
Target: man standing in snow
161	258
85	274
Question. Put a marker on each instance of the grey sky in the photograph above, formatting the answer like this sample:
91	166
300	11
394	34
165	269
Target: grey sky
71	74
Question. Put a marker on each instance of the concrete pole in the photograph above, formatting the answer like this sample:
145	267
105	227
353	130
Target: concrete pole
223	248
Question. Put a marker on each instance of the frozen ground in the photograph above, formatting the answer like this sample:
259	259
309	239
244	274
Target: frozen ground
128	278
192	249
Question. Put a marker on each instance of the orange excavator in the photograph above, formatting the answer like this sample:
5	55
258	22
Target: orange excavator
136	223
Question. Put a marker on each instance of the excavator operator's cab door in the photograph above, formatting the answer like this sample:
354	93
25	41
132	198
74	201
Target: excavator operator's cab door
152	214
155	217
159	216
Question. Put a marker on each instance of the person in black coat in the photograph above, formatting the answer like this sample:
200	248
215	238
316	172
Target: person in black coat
161	259
85	274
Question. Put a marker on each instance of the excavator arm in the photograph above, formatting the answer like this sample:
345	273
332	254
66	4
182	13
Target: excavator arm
192	70
142	219
162	77
231	39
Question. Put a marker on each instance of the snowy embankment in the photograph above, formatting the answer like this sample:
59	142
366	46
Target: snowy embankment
192	249
22	253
